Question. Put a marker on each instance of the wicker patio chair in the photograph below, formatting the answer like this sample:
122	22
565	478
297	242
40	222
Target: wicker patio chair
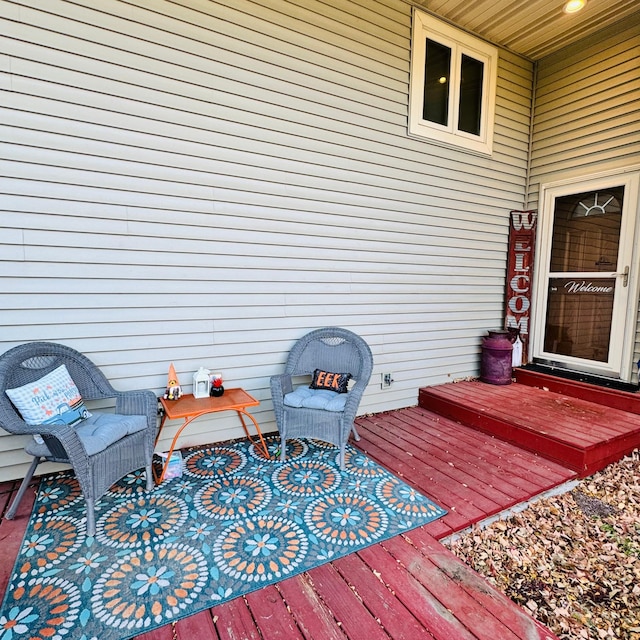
101	448
321	413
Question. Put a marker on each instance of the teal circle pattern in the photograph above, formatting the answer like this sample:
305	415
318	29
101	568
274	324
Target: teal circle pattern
52	541
215	462
141	521
58	494
149	586
346	520
256	550
53	612
131	485
294	449
306	478
234	497
404	500
358	463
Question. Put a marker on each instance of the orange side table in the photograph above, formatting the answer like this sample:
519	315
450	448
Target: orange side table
189	408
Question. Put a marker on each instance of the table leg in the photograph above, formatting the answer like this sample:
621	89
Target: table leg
171	450
242	412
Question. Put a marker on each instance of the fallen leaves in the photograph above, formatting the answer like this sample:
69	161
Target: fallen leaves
572	561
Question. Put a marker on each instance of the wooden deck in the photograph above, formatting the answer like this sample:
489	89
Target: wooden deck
547	415
409	587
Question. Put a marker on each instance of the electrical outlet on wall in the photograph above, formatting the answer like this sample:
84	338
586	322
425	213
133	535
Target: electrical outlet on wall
386	380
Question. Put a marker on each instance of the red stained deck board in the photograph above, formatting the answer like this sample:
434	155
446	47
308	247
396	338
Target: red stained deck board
430	455
396	619
458	500
312	616
540	443
465	464
571	419
469	412
513	480
498	454
578	434
348	609
271	615
492	600
591	423
428	610
491	400
234	621
521	457
424	476
11	535
163	633
457	517
385	439
587	422
198	625
623	400
449	592
533	408
439	529
6	490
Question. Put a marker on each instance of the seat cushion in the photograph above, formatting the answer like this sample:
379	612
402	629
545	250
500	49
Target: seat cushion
316	399
98	432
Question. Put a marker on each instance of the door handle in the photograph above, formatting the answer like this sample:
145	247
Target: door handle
625	276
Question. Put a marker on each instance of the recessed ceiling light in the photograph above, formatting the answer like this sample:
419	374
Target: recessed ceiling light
573	6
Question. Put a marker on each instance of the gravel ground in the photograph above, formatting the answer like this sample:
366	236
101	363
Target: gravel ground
573	560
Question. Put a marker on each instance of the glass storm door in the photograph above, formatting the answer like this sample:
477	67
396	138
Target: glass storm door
583	317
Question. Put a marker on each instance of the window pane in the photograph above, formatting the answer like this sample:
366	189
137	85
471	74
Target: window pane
437	73
579	314
586	231
470	108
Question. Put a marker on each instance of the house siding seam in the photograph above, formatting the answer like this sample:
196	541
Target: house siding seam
203	183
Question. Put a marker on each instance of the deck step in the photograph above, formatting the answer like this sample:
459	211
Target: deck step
624	400
582	435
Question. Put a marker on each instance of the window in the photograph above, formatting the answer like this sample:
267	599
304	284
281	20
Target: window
453	85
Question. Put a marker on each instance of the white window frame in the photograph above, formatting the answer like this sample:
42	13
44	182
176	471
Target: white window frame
426	26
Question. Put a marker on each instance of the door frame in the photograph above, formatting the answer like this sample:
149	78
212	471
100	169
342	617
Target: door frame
630	178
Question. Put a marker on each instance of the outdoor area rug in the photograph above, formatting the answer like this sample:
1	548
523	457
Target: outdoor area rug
234	522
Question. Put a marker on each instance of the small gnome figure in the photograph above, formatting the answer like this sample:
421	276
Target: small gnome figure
173	390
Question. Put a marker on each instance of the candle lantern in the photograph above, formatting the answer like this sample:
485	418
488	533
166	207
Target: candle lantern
201	383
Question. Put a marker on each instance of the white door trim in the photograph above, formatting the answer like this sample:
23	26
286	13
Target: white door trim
621	361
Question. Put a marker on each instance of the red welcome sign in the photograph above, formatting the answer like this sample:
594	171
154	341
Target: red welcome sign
522	238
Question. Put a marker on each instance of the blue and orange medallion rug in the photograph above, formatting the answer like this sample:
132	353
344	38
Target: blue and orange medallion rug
234	522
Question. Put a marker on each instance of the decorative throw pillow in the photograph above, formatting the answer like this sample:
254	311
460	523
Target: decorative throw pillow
53	399
331	381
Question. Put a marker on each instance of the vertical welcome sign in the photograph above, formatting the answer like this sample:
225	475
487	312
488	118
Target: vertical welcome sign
522	239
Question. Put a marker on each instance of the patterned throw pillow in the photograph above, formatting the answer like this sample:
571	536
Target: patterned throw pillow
331	381
53	399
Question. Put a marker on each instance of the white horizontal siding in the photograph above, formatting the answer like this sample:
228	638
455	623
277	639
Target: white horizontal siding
203	182
587	115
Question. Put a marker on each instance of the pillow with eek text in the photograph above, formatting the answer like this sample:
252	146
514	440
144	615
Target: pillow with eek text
331	381
53	399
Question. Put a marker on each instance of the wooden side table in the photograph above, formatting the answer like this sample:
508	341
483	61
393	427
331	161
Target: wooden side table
189	408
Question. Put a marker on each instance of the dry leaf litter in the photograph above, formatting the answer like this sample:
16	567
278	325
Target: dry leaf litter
571	560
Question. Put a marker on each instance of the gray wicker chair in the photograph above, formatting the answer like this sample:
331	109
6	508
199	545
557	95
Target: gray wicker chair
330	349
100	470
